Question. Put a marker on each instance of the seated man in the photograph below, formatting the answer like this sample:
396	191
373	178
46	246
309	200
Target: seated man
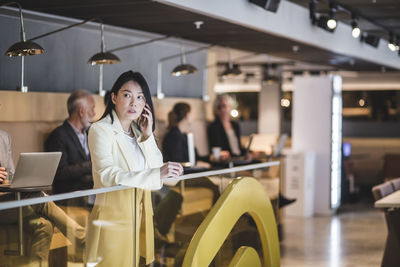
75	169
38	220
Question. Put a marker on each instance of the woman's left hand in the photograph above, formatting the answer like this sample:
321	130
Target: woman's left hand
146	122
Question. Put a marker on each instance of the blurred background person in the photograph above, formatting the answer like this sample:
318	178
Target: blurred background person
175	143
224	132
75	169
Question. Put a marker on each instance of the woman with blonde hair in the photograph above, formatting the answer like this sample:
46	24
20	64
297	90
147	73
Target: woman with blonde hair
224	132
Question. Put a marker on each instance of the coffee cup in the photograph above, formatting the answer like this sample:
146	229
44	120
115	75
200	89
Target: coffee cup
216	151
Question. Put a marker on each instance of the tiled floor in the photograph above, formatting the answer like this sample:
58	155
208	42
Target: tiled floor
354	237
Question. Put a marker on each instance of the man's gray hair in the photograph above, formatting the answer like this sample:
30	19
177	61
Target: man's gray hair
75	100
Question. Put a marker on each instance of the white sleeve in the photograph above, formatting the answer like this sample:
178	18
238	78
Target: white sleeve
104	166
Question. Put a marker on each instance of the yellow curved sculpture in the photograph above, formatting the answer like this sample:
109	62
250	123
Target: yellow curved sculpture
245	257
244	195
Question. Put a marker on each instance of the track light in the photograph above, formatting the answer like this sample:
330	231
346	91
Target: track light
392	45
355	32
322	22
331	23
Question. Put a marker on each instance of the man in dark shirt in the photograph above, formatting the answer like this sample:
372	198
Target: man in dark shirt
75	169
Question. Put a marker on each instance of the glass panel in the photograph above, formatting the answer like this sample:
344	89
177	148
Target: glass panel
178	215
53	234
79	231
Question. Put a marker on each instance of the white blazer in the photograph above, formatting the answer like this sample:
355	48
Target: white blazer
113	164
112	157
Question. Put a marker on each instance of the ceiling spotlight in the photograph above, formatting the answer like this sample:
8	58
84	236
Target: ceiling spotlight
295	48
356	30
322	22
391	44
183	68
331	23
103	57
198	24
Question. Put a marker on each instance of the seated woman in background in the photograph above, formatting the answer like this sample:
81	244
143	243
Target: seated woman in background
175	143
224	132
124	152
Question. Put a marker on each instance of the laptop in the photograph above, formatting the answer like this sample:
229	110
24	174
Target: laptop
240	160
34	170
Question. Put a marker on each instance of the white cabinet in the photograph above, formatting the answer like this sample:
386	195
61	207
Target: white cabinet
299	183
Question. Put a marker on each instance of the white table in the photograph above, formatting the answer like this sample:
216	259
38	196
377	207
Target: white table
391	204
390	201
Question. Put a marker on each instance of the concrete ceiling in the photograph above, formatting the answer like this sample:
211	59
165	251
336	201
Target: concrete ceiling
158	17
376	17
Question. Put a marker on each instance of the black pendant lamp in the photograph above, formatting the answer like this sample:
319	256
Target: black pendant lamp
183	68
103	57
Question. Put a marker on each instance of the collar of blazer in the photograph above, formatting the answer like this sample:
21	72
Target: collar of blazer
123	142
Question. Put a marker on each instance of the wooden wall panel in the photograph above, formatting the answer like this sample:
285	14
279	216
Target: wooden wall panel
30	117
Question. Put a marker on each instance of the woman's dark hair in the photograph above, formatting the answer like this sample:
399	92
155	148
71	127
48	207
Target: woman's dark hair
178	113
122	79
107	97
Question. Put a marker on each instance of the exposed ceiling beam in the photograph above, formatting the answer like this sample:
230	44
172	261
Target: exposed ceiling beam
291	22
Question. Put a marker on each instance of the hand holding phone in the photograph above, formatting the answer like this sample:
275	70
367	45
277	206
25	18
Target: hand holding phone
145	122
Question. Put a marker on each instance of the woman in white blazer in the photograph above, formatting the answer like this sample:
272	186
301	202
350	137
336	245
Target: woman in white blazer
124	152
